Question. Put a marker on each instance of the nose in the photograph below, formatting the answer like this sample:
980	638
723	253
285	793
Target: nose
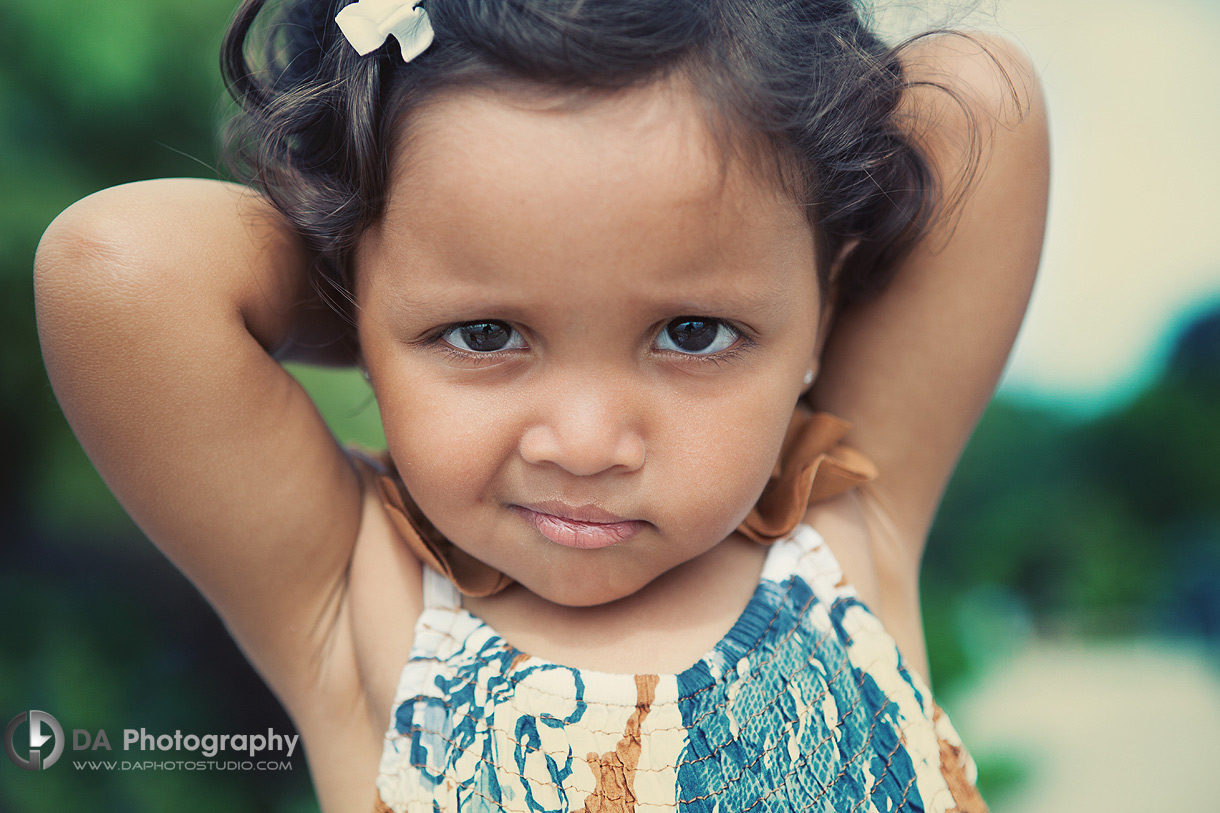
585	430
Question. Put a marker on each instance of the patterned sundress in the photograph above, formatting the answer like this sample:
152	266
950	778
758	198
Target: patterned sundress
805	705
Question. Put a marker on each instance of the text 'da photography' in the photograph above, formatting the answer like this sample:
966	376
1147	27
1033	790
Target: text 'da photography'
47	754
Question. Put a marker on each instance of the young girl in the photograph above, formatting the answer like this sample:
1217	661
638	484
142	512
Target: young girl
600	261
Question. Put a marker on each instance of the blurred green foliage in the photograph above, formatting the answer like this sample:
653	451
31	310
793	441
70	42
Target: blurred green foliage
96	627
1107	526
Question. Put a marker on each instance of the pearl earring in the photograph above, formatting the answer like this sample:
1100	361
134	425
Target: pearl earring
808	377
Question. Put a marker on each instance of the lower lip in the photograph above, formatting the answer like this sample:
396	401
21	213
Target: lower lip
573	533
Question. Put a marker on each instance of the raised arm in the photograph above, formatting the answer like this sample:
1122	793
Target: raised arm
914	368
160	307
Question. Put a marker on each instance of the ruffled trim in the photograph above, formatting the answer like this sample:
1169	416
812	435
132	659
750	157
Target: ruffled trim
813	467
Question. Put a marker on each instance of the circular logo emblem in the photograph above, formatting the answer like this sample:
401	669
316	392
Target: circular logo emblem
43	727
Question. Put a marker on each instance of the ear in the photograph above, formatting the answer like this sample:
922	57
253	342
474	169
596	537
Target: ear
826	317
844	252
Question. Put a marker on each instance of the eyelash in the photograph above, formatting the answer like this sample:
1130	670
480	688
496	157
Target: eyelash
436	341
740	346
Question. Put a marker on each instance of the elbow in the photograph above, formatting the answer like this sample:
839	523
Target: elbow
101	256
79	255
92	274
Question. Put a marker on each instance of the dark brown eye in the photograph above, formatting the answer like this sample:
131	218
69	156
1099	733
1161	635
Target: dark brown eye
483	337
696	336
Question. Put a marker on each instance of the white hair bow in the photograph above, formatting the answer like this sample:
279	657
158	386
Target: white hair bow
367	23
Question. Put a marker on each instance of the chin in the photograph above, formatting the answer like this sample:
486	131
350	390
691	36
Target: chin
586	590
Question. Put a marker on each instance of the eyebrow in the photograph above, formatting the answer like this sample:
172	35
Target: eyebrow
445	304
440	301
445	293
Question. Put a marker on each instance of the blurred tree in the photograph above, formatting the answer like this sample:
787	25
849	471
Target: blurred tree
1110	525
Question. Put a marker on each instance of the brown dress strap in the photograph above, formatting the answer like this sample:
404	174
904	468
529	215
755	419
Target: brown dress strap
813	467
471	576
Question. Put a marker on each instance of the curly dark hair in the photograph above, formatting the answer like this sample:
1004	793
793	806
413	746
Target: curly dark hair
318	123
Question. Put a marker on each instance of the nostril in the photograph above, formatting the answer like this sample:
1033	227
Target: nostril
584	449
631	453
539	445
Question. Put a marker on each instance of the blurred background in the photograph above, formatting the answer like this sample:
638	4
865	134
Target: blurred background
1072	585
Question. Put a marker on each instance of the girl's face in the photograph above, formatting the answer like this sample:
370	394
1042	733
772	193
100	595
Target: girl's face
587	330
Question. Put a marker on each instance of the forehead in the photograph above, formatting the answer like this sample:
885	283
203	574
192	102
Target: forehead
498	185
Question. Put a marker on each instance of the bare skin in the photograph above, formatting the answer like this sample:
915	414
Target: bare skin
163	308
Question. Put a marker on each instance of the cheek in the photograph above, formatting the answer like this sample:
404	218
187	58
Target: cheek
722	461
446	445
433	428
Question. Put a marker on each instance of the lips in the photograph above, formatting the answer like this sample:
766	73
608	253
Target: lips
582	527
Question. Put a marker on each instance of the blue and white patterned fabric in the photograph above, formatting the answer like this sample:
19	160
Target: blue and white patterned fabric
805	705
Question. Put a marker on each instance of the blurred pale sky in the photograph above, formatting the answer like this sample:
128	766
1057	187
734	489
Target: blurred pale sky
1133	243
